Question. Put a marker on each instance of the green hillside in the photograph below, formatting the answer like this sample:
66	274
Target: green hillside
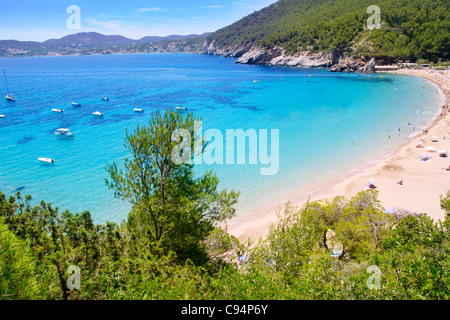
411	29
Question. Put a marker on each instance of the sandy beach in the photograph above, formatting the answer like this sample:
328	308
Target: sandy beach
422	181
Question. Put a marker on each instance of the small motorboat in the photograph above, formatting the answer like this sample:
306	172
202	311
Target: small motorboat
181	108
97	113
105	99
57	110
46	160
64	132
2	115
76	104
138	110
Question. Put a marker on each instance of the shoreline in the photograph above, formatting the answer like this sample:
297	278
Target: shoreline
423	180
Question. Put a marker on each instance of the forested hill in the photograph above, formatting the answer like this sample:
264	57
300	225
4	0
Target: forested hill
410	30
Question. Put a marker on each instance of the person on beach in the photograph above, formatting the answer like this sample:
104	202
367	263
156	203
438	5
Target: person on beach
400	182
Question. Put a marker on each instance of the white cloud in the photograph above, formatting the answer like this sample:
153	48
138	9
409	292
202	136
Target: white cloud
116	27
149	9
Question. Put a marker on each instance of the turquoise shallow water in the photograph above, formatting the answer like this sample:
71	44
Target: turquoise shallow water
329	124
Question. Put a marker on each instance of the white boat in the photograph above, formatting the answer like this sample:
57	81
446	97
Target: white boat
138	110
64	132
76	104
2	116
181	108
97	113
46	160
9	96
57	110
105	99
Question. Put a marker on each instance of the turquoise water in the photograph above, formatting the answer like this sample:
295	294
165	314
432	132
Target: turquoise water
329	124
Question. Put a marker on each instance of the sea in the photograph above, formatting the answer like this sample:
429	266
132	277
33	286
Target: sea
326	125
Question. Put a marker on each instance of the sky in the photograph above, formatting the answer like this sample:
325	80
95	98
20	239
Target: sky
40	20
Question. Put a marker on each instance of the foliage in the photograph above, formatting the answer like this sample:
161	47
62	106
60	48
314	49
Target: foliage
297	260
410	29
172	209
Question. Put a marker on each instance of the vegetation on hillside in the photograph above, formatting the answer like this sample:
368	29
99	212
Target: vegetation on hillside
170	247
410	29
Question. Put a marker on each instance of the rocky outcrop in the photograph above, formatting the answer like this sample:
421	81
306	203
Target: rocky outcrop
348	64
369	67
336	60
278	57
228	51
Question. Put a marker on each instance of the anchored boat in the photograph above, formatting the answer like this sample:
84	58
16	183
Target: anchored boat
9	96
46	160
64	132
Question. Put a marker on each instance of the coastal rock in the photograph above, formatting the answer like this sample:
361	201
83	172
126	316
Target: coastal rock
369	67
229	51
336	60
278	57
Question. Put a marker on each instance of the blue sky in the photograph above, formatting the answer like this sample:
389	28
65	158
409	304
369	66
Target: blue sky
39	20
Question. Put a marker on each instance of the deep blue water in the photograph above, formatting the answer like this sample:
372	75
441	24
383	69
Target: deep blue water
328	123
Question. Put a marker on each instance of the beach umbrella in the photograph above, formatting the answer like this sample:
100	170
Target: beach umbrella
434	139
443	153
431	149
371	181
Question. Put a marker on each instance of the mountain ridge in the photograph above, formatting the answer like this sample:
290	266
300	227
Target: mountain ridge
85	43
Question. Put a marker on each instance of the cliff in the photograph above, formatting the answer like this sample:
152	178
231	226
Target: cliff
336	60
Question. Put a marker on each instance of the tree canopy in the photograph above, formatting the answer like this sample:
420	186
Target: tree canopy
410	29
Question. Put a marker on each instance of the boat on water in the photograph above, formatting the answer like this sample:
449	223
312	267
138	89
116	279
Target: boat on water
2	115
76	104
181	108
97	113
138	110
64	132
9	96
46	160
57	110
105	99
